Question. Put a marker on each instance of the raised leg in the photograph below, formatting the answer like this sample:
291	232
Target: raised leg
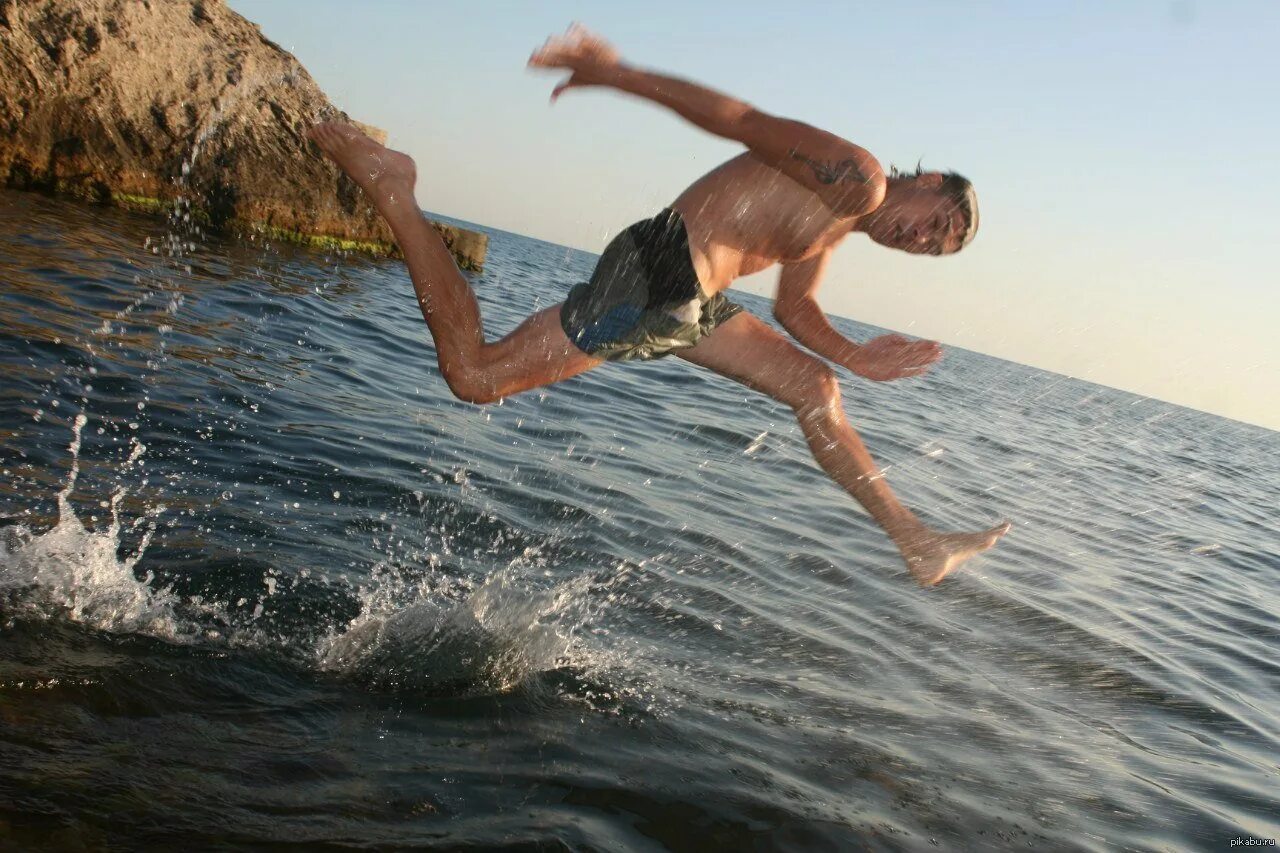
537	353
747	350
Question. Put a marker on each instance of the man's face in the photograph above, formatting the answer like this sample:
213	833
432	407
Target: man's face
915	217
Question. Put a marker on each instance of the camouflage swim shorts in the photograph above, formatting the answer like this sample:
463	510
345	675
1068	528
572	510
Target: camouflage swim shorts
644	299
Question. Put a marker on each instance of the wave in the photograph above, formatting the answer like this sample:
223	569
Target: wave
416	629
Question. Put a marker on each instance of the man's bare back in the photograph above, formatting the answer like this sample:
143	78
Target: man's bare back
788	200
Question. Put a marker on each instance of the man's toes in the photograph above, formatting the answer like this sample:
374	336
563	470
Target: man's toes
996	533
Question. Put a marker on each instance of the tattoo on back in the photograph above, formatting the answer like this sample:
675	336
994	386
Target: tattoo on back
845	171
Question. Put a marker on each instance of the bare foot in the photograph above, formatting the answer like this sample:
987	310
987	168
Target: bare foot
382	173
931	557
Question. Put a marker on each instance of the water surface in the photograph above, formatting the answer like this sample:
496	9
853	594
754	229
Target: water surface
263	581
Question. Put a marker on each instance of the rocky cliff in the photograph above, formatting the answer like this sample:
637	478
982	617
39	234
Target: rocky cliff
143	102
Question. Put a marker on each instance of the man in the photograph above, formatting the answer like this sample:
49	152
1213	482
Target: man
789	199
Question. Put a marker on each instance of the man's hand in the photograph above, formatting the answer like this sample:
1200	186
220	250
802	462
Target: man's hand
591	59
893	357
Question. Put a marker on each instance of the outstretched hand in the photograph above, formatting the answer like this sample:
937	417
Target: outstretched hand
893	357
581	51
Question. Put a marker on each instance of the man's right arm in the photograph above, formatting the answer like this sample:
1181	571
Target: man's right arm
846	177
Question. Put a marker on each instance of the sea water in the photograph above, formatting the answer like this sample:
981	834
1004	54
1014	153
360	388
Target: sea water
263	580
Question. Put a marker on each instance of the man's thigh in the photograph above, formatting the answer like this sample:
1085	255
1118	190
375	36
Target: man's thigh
535	353
747	350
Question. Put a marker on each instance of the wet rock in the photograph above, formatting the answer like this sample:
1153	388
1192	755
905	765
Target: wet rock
141	102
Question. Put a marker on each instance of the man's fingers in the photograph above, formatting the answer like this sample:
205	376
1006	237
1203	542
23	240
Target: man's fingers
915	365
929	350
541	56
567	84
555	48
914	353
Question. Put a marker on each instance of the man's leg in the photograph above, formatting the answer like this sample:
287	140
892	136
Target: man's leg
537	353
747	350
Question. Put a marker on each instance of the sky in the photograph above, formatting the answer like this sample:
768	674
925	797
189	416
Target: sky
1124	155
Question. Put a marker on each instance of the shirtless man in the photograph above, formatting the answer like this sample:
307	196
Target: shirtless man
789	199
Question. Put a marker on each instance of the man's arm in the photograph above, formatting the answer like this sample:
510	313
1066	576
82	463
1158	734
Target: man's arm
887	357
796	308
846	177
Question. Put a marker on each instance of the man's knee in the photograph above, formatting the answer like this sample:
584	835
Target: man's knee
826	389
815	388
470	385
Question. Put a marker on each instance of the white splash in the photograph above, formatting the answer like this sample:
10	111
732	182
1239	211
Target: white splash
756	444
416	630
435	633
76	572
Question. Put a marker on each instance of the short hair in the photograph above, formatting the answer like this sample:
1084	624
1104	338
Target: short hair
956	187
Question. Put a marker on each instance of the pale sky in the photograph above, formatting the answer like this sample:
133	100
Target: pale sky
1124	155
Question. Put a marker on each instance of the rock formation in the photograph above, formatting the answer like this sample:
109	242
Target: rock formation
142	102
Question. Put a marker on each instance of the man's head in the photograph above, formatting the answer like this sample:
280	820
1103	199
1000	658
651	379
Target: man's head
925	213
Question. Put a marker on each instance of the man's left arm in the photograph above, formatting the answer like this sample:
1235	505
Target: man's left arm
796	308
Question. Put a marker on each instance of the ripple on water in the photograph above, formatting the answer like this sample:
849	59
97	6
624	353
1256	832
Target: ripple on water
304	594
